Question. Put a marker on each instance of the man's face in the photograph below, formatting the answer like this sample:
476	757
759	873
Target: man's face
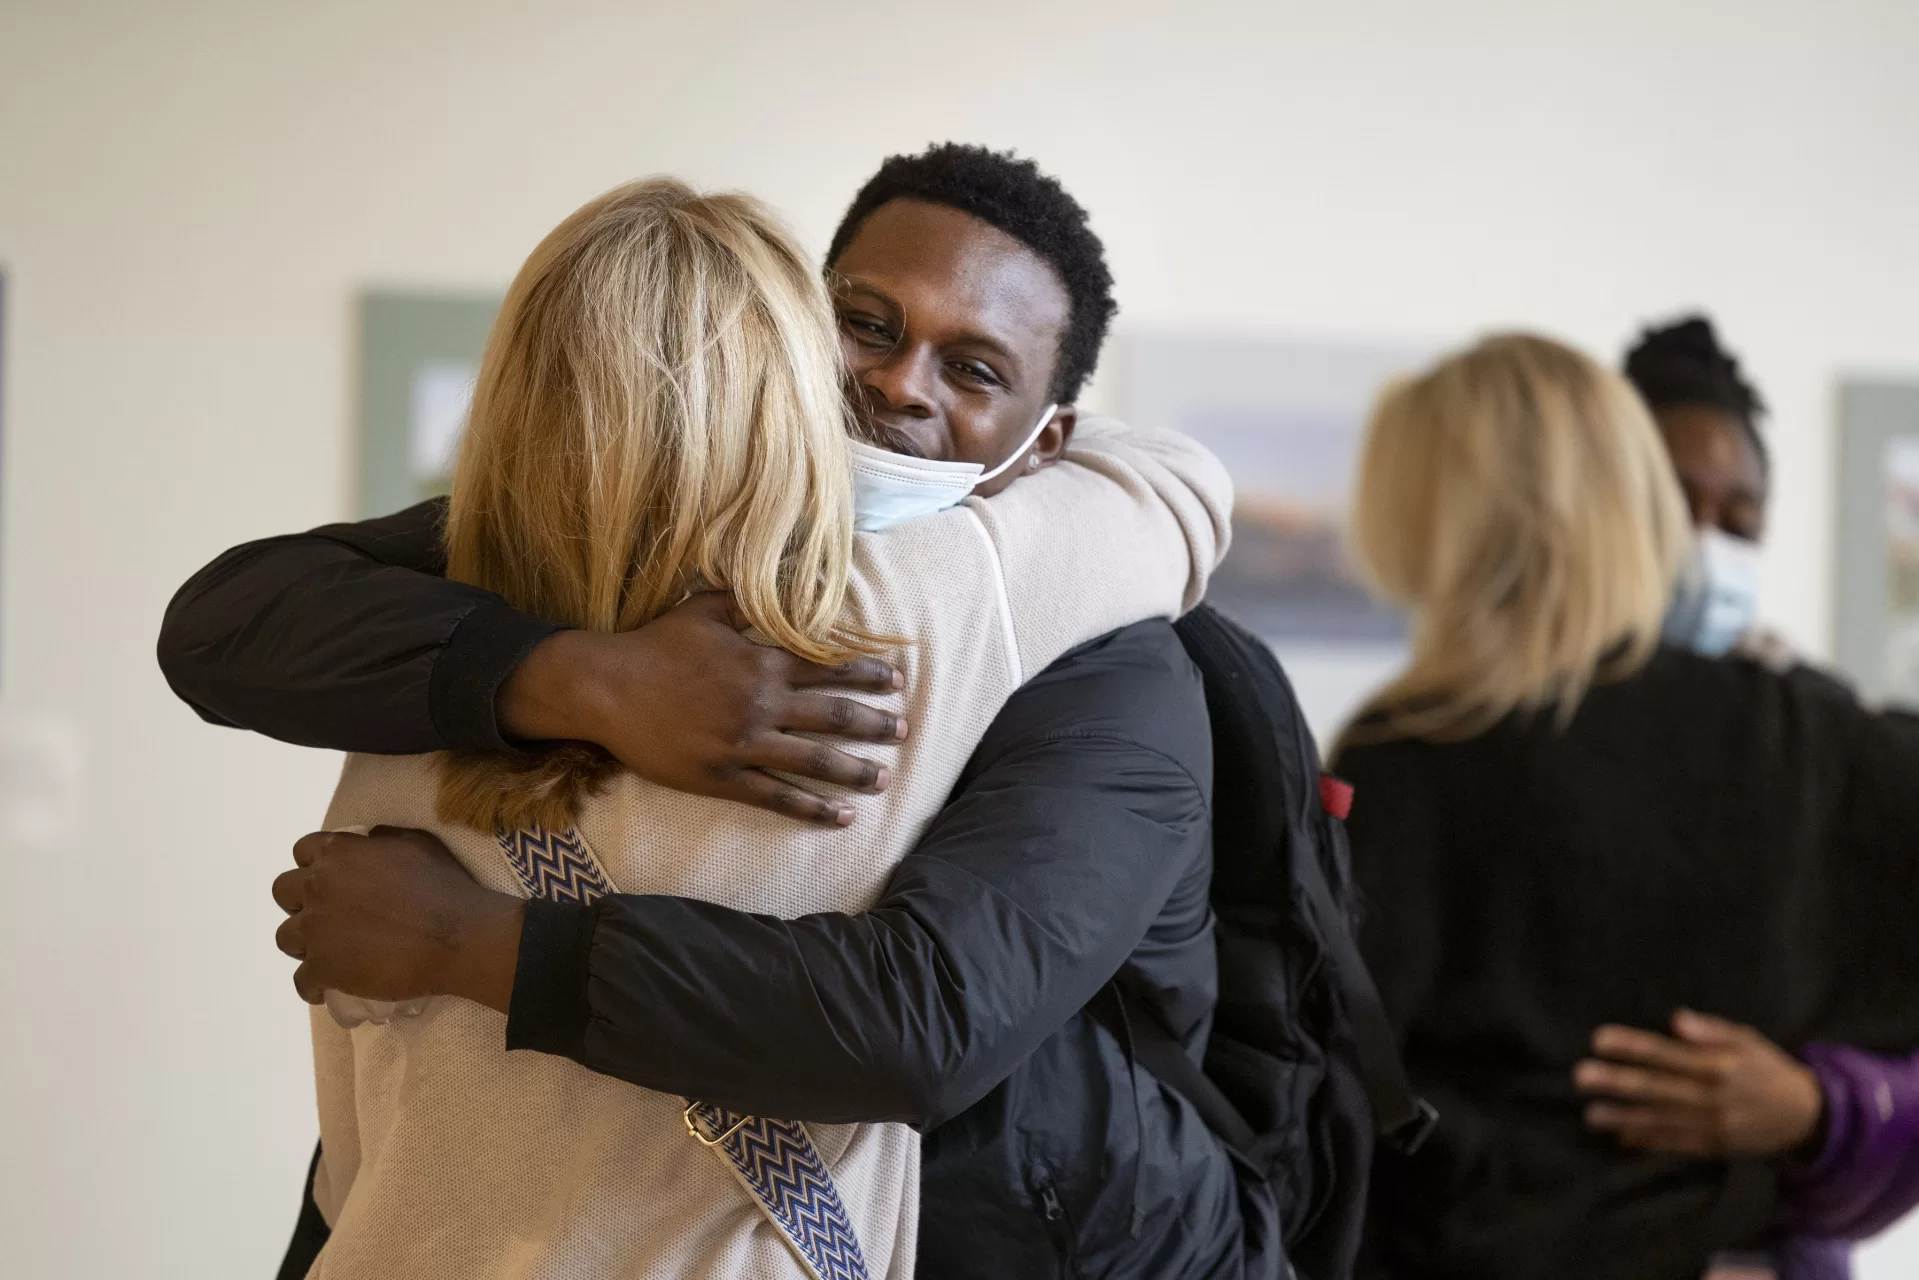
951	330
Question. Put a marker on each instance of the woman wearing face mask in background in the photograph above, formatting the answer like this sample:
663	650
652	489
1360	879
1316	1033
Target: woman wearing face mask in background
1708	416
1846	1121
1560	823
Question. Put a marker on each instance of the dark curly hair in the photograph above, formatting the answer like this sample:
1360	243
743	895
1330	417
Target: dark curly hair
1011	194
1683	363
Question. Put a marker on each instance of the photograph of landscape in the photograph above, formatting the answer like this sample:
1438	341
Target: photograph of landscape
1287	418
1902	570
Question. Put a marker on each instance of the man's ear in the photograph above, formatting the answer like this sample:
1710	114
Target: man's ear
1052	442
1045	450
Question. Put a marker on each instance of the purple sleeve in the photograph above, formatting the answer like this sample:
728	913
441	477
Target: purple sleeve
1866	1174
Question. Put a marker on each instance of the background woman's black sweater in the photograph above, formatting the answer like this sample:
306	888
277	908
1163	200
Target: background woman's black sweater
1706	833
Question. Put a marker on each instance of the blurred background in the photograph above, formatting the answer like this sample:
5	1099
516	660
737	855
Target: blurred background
202	206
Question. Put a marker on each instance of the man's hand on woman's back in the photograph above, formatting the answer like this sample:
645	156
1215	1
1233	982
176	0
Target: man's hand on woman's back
393	916
691	703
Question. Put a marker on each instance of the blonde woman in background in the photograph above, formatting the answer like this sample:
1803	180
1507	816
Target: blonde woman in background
1560	823
659	411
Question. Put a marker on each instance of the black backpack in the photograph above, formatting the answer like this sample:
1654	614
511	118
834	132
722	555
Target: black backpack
1302	1073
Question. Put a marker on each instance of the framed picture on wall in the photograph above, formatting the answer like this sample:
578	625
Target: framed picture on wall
3	368
419	354
1287	417
1878	632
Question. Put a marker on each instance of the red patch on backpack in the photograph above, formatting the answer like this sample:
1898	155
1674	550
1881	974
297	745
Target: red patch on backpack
1335	796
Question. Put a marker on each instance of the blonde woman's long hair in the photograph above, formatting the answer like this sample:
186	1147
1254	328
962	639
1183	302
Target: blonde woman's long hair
659	410
1517	500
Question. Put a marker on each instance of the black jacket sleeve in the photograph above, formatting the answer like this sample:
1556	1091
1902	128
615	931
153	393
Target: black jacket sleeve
1081	809
348	637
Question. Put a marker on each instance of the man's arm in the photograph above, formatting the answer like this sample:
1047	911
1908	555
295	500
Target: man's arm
348	636
1075	820
351	637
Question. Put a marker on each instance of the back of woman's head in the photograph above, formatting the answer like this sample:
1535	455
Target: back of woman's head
1517	501
659	409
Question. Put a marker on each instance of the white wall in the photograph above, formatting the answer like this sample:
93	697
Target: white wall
190	195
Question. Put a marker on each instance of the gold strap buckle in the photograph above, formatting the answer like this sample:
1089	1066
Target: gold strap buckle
693	1126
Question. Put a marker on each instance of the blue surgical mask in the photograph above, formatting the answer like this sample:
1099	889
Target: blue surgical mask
1717	596
892	488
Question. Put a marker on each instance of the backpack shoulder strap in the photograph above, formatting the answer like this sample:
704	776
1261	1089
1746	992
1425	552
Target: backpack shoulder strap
1262	744
1403	1118
1152	1046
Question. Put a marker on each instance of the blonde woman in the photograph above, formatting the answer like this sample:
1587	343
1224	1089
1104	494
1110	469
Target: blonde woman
1558	823
659	411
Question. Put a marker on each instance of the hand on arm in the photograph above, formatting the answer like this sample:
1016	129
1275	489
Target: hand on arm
689	702
1712	1089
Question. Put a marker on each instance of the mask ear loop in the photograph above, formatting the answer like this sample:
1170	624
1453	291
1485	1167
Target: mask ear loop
1044	419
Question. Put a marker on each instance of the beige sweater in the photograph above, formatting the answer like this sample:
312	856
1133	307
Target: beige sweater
446	1156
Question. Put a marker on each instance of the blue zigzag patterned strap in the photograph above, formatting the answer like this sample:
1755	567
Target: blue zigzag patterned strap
559	867
779	1164
774	1159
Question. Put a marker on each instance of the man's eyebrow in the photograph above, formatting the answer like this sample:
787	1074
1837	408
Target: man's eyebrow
994	346
843	287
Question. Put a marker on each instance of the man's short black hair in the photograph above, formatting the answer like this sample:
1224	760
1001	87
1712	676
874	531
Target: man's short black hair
1011	194
1683	363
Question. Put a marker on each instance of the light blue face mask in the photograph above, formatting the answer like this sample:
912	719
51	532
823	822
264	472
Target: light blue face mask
1717	596
892	488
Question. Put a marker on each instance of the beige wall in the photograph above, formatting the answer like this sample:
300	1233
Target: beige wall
190	195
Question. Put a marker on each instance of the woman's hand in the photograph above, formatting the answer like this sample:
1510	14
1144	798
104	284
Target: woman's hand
392	916
690	703
1717	1090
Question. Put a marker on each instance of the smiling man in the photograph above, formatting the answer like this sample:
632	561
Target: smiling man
1073	856
930	295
